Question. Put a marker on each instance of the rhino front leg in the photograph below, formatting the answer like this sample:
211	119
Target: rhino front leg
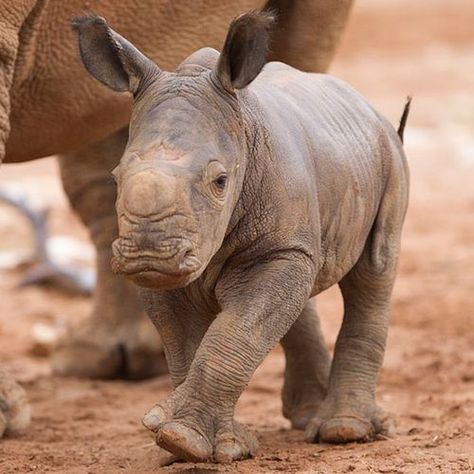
307	368
118	339
196	422
181	328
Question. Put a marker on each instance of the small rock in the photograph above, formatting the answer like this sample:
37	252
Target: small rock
45	338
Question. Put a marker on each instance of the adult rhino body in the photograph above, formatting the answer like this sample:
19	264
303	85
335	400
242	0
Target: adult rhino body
242	194
49	105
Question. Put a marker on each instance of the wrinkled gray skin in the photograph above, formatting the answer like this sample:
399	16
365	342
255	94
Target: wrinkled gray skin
241	194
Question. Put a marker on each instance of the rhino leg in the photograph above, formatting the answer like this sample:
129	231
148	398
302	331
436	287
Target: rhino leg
182	330
4	113
14	407
259	305
9	44
181	326
117	340
307	368
349	412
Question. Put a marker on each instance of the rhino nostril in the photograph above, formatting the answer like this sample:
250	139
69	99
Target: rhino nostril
182	255
187	261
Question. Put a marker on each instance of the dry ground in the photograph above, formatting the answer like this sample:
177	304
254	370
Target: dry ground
390	49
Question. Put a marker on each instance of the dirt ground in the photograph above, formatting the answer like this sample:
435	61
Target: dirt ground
391	49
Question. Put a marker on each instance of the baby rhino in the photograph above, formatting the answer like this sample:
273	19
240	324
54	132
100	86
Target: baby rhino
244	191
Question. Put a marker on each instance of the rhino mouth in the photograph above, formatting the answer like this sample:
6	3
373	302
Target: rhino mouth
159	280
153	270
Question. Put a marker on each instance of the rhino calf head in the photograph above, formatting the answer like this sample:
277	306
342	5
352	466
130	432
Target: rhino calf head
182	170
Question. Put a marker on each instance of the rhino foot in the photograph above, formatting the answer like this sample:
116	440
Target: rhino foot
225	442
15	411
301	406
109	349
349	427
301	416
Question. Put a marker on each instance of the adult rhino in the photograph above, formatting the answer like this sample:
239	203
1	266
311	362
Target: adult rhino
50	105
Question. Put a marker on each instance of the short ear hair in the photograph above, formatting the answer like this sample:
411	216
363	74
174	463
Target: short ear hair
109	57
245	50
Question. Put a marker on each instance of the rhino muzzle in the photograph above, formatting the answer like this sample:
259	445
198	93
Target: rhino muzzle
168	265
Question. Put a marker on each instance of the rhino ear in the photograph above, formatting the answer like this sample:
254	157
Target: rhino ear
109	57
245	50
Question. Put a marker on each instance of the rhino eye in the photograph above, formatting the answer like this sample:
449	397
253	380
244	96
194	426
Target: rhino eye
217	176
221	181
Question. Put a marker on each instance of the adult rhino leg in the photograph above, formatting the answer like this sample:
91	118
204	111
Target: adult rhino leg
9	43
118	340
14	408
307	368
349	412
307	32
4	112
259	305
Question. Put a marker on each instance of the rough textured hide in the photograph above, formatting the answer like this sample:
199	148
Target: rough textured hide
56	108
235	206
12	17
308	44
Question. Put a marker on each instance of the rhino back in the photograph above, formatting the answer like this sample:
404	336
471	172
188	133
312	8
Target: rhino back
332	154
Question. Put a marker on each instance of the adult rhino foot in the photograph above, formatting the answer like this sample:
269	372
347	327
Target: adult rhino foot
15	411
108	349
300	404
346	427
225	442
300	416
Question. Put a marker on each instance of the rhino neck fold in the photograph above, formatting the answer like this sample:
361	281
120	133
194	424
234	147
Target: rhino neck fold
253	163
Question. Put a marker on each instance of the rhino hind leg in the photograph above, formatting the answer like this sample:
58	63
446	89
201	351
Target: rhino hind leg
117	340
307	368
349	412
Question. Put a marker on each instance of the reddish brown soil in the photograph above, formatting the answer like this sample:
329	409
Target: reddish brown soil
390	49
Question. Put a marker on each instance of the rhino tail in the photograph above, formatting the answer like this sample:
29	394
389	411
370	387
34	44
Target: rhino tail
403	119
